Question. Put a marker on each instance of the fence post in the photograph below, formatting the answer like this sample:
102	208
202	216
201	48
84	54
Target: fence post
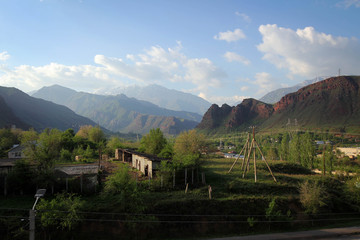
174	179
81	183
185	176
5	189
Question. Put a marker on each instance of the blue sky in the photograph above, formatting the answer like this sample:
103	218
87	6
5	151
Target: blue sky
223	51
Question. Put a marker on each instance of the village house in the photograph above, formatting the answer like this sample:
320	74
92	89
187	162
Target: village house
352	153
145	163
16	152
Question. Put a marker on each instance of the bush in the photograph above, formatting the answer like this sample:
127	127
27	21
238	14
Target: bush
65	155
313	196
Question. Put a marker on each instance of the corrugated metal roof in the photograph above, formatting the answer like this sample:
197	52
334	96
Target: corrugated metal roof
78	170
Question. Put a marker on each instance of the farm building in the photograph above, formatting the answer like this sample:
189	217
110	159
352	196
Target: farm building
16	152
350	152
145	163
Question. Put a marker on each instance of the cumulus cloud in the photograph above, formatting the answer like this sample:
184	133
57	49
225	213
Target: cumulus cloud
245	17
4	56
309	53
230	36
348	3
155	65
231	57
264	82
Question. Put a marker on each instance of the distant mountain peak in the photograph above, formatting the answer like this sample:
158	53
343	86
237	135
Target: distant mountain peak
276	95
163	97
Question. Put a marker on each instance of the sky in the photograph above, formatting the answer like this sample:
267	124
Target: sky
221	50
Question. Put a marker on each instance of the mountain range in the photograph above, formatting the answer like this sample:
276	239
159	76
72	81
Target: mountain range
332	104
275	96
120	113
19	109
162	97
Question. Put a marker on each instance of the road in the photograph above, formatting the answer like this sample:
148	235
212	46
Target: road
321	234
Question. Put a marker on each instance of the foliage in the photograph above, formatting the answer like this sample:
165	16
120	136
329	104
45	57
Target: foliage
67	140
21	178
48	148
167	151
153	142
352	190
188	148
122	189
28	140
60	212
7	139
84	131
284	148
113	144
65	155
96	135
307	152
272	211
313	196
294	149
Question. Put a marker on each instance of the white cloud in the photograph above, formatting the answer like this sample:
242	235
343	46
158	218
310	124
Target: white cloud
348	3
4	56
245	17
220	100
230	36
231	57
264	83
244	88
155	65
309	53
203	73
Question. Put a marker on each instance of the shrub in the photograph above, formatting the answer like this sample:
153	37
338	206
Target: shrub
313	196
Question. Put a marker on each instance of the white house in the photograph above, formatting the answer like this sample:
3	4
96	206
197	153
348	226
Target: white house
16	152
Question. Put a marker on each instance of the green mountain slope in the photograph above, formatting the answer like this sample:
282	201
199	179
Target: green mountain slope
40	114
118	113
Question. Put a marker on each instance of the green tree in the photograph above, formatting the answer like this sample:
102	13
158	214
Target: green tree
188	148
60	213
284	147
7	140
307	150
167	151
153	142
294	149
48	148
67	140
122	191
28	140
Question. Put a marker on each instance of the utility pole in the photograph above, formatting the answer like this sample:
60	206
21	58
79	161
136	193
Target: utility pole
39	193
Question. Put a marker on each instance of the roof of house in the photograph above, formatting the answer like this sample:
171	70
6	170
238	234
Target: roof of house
7	162
17	148
77	170
151	157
